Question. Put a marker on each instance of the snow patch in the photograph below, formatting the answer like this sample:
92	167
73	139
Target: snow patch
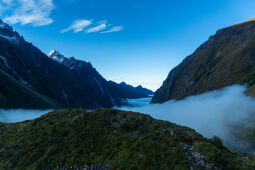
56	56
11	39
100	87
5	61
23	81
65	97
3	25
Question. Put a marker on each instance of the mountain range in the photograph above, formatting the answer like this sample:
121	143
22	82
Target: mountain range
108	138
31	79
227	58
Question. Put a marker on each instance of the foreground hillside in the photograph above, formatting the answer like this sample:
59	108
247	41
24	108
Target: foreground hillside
227	58
110	139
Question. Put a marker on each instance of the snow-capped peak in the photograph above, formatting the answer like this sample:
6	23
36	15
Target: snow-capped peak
55	55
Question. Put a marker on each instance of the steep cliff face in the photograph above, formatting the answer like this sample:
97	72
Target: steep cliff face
95	89
111	139
89	77
226	58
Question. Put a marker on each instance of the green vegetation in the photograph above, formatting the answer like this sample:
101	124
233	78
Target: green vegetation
14	94
111	139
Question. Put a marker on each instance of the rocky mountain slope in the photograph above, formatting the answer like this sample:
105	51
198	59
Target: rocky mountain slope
111	139
15	92
47	81
227	58
83	68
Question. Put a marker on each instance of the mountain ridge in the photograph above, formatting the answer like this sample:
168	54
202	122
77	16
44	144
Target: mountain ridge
68	81
225	59
127	90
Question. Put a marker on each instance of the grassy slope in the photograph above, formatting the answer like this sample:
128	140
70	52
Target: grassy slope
112	139
14	94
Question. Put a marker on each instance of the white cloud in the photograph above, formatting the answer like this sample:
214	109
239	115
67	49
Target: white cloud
113	29
35	12
102	25
78	26
224	113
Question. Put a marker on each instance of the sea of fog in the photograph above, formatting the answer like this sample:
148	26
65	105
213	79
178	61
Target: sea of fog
217	113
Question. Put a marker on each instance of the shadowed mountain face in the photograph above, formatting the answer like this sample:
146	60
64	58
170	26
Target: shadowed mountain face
226	58
111	139
44	79
27	64
131	92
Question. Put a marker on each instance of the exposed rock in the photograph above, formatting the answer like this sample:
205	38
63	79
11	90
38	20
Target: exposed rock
227	58
196	159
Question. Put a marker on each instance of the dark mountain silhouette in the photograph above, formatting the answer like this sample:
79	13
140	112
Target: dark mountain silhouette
69	83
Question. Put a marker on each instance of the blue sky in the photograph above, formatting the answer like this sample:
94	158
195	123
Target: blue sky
136	41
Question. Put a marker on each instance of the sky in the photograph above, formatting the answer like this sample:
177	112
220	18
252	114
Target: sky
136	41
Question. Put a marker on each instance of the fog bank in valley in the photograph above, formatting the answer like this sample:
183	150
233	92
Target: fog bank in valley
17	115
220	113
227	113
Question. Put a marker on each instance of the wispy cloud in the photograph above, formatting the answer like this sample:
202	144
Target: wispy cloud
78	26
35	12
102	25
113	29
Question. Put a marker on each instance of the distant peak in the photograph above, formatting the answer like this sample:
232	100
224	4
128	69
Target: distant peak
55	55
53	52
123	83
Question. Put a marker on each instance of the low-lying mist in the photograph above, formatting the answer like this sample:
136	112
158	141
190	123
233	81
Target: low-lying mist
17	115
227	113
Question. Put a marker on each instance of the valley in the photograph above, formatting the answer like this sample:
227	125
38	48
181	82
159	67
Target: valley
80	95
